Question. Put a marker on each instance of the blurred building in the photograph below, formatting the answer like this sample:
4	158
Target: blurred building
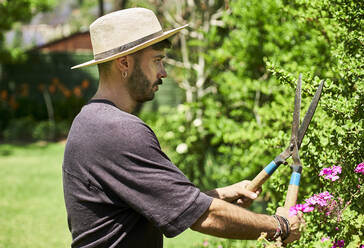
44	80
77	42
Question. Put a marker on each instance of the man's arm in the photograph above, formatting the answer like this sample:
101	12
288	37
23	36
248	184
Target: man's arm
226	220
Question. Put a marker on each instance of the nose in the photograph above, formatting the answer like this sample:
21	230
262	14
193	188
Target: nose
162	73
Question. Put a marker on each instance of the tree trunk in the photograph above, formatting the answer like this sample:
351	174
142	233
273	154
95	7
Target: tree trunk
120	4
101	7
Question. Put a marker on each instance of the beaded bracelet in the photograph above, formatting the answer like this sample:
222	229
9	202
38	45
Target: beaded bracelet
285	225
278	232
288	227
283	228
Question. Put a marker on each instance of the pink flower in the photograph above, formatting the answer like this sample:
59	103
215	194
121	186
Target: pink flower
319	199
339	243
331	173
360	168
325	171
336	169
300	207
325	239
324	202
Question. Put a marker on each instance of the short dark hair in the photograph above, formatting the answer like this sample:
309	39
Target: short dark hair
104	67
162	44
157	46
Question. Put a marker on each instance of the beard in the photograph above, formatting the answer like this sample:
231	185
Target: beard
140	88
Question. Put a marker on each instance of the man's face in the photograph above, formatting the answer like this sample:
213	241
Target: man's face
147	74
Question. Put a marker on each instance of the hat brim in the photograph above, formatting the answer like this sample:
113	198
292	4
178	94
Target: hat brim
150	42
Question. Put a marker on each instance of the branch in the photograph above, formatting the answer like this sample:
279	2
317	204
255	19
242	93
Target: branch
178	63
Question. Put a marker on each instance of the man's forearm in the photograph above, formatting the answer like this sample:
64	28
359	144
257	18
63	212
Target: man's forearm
226	220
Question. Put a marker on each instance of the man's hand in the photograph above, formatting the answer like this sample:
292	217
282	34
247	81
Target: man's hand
295	223
246	196
236	193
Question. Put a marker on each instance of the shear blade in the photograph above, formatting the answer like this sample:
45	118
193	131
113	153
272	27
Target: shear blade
296	112
309	114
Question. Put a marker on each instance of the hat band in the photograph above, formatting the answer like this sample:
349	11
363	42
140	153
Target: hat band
127	46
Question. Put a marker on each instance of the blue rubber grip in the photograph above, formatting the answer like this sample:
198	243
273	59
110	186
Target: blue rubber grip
295	178
271	167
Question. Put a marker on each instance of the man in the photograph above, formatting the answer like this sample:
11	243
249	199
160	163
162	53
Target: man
120	189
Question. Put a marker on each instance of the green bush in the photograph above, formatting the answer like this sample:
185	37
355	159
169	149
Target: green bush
233	132
57	94
50	131
19	129
26	129
45	130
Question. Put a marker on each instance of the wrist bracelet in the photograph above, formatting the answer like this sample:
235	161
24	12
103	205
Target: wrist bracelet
285	227
278	231
288	227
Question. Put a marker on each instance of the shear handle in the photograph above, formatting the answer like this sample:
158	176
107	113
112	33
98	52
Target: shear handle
263	176
292	193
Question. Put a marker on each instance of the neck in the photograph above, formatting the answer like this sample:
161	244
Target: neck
115	91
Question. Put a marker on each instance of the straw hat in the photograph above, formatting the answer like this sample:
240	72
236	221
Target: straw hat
124	32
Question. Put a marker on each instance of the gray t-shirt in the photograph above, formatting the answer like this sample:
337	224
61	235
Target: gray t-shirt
120	189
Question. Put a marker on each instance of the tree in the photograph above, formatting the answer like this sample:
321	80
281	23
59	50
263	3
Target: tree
12	12
190	72
251	64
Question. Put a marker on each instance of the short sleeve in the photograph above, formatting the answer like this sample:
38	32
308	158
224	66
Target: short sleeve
133	167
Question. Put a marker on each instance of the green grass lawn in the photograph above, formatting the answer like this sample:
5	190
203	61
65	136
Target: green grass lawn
32	210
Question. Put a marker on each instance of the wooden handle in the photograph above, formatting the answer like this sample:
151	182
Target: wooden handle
291	197
258	181
262	176
292	193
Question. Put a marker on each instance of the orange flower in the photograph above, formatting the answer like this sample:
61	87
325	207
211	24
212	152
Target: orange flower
77	91
12	102
62	87
4	95
24	90
41	87
55	81
85	84
67	93
52	88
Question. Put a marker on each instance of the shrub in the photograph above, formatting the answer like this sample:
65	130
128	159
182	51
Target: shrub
26	130
50	131
19	129
45	130
233	132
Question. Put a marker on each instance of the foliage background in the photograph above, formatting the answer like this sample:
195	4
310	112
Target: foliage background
13	12
251	63
237	65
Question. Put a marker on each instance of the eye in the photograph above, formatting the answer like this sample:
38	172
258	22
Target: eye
159	62
158	59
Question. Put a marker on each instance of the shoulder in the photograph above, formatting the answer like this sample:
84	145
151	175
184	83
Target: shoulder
118	125
108	116
105	124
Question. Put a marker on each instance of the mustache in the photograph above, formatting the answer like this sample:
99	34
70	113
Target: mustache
159	81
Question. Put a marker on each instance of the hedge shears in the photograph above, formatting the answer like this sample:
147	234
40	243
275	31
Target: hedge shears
298	132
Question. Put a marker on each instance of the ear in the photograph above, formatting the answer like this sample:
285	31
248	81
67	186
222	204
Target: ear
123	63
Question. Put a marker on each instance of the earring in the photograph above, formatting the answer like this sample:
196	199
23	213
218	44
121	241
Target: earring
125	73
